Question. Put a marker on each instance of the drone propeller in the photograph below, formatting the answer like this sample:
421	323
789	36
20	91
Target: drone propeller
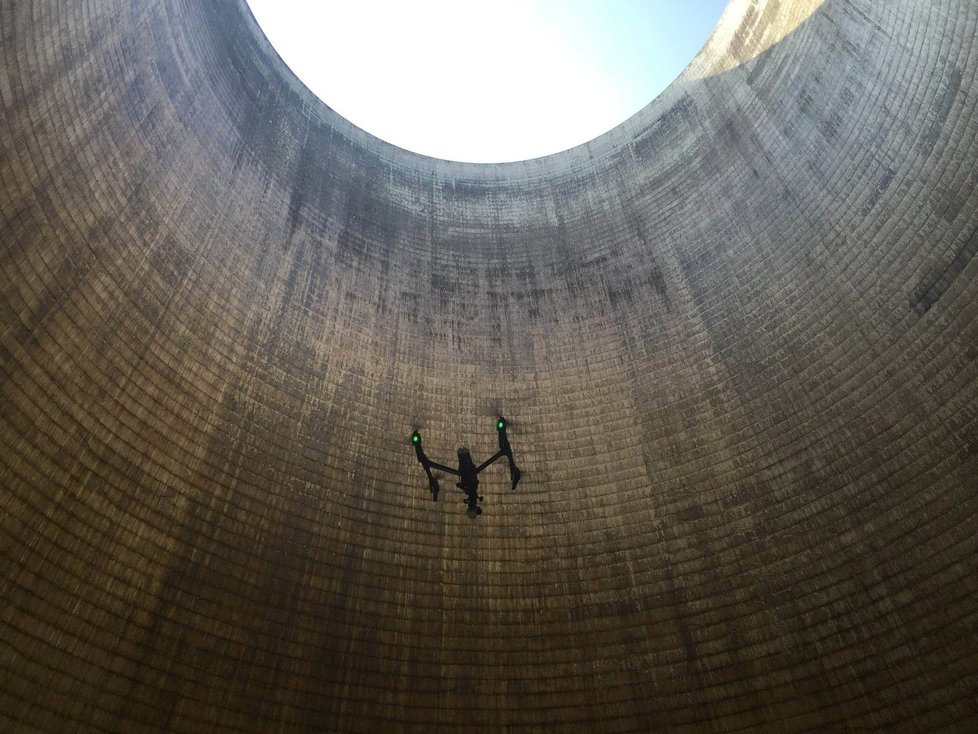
491	407
494	409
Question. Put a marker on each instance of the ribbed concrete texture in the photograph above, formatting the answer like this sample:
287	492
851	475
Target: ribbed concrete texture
737	338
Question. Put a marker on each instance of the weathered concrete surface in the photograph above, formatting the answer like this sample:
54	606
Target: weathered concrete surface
737	337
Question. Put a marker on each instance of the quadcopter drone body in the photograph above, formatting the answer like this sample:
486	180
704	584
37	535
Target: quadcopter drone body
467	471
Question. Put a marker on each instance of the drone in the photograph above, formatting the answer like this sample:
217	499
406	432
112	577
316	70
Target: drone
468	472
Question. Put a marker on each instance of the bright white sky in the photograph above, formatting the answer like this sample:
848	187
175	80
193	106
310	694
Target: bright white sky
487	82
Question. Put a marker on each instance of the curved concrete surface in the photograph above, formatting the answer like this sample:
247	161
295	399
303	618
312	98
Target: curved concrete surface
736	336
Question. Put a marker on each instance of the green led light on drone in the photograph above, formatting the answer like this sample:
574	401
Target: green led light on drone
415	437
501	424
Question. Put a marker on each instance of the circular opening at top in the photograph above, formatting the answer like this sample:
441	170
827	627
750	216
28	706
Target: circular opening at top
487	82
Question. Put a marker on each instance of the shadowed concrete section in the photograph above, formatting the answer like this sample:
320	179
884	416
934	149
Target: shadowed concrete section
736	337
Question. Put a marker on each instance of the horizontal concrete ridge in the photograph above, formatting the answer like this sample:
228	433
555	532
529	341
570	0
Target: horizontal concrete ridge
736	339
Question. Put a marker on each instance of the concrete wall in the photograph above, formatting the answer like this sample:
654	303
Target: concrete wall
736	337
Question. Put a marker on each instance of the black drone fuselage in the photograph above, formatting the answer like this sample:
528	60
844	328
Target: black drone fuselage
468	478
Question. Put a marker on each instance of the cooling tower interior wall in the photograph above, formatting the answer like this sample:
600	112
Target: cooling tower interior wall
736	336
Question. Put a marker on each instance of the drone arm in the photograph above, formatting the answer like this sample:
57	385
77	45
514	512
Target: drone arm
495	457
442	467
427	464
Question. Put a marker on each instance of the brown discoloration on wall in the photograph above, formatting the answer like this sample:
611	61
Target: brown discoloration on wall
735	336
